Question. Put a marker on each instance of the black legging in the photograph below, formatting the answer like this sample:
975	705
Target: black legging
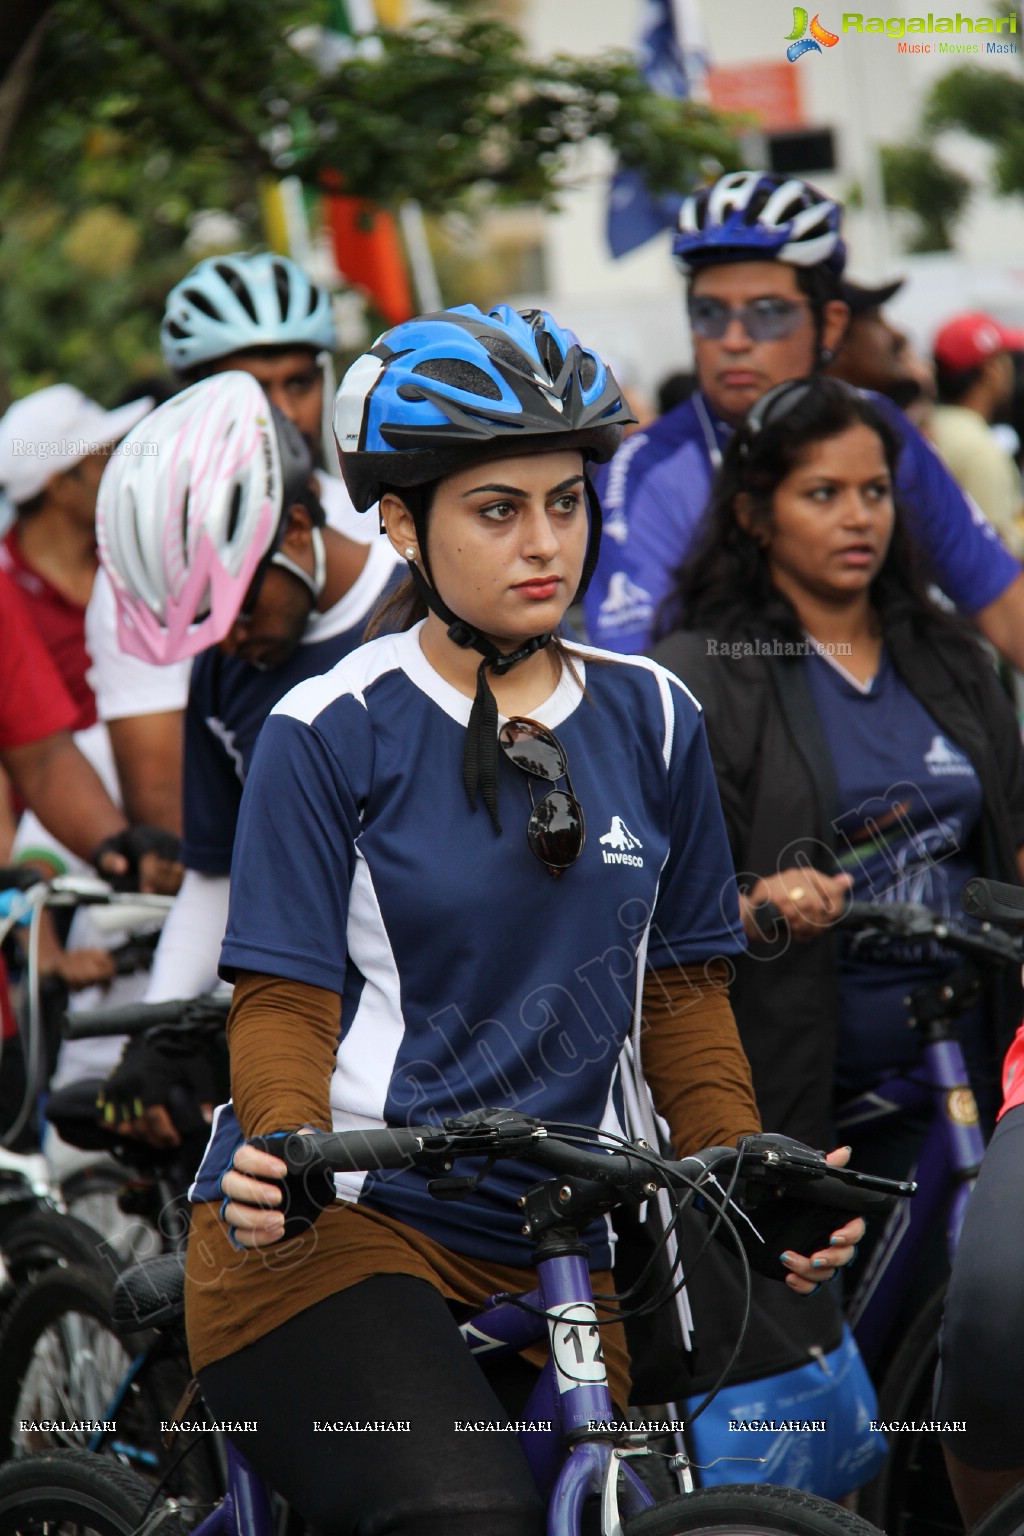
983	1329
387	1349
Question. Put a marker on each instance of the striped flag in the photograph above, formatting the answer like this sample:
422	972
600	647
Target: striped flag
366	241
672	57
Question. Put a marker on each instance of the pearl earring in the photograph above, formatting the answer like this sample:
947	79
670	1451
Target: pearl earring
410	553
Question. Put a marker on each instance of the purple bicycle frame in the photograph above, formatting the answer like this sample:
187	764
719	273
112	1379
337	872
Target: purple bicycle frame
571	1396
948	1161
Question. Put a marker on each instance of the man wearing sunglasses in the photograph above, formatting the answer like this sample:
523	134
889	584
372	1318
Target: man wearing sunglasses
764	257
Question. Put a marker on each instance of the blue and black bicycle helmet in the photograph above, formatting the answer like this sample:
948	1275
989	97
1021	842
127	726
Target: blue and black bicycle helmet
759	216
437	392
231	304
447	390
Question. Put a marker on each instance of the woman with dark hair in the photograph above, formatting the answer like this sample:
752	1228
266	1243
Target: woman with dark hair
862	747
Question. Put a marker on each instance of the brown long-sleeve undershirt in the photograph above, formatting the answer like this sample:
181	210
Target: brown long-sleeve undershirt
280	1078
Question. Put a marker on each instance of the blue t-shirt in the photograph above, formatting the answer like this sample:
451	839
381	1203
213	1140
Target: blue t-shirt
469	977
229	700
656	488
912	803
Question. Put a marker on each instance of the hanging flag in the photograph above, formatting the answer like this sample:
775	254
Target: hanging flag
365	240
672	57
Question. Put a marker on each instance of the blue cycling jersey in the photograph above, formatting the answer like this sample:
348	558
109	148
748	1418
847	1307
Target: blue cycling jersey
468	976
657	487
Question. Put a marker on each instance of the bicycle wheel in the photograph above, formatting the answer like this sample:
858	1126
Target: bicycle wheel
1005	1518
71	1491
747	1509
41	1238
97	1196
63	1368
911	1496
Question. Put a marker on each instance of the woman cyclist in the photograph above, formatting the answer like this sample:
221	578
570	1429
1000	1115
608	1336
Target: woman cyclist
421	926
862	747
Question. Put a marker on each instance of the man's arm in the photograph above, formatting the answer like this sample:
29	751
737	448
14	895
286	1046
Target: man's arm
65	791
148	751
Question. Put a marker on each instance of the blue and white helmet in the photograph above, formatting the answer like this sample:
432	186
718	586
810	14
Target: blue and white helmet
759	216
437	392
233	303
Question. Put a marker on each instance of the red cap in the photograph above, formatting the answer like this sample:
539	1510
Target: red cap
967	340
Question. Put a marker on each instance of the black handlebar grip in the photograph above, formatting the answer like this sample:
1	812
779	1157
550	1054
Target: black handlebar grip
363	1151
123	1019
994	901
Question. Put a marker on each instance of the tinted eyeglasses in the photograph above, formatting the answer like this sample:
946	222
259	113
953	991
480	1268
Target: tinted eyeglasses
556	830
767	319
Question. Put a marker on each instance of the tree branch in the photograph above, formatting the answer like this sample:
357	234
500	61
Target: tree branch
181	66
18	53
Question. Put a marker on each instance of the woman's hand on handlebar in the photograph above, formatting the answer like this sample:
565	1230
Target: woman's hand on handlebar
807	1272
250	1205
808	900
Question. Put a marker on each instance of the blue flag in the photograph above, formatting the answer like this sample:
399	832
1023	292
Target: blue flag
672	58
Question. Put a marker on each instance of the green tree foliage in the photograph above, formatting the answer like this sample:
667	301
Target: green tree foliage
917	180
984	102
135	117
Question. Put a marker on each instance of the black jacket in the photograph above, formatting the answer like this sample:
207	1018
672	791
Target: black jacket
778	790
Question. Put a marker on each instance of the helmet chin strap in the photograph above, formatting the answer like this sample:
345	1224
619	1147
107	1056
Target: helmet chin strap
480	756
318	580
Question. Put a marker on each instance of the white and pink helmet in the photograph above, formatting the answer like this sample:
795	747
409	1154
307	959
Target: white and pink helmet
190	505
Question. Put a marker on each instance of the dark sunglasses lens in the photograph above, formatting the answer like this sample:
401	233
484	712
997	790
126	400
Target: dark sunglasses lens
555	829
532	748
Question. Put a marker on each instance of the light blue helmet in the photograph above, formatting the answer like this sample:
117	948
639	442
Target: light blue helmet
230	304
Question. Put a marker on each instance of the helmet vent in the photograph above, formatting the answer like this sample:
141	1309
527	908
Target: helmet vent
200	302
234	513
550	356
314	298
239	288
184	525
461	375
284	289
587	370
175	330
506	353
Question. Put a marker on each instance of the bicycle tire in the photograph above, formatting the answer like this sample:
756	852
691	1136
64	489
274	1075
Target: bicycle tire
61	1362
1005	1518
911	1494
72	1491
747	1509
94	1195
42	1238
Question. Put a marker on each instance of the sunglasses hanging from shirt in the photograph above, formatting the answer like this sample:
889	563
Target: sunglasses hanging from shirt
556	830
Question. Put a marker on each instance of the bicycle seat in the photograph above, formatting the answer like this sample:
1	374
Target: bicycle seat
150	1295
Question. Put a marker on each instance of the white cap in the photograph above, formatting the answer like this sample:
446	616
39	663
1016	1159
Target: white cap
54	429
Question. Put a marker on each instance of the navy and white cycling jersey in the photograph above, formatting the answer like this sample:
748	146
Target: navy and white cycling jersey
229	700
470	977
656	488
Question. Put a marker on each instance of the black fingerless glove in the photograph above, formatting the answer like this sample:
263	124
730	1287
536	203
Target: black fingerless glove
308	1186
133	844
178	1068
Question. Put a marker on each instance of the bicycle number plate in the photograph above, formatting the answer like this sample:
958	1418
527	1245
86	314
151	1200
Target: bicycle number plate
576	1345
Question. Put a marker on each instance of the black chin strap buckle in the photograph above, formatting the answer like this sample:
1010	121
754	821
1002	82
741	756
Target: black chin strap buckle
502	664
462	635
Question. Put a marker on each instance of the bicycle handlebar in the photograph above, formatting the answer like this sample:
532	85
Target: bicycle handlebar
911	920
766	1162
994	901
137	1018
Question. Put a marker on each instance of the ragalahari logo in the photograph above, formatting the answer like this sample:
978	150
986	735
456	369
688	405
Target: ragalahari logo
799	44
